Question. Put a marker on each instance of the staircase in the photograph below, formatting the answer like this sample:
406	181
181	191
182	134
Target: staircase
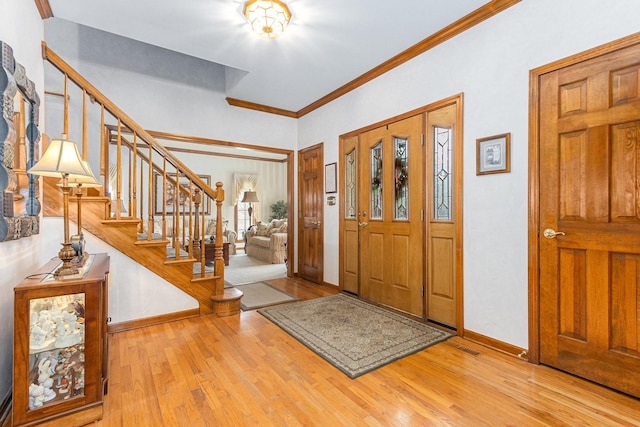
140	175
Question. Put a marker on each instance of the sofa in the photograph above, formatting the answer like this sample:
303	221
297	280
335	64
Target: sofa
267	241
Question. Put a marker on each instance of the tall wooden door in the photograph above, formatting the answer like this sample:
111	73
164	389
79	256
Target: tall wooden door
443	215
390	215
349	228
590	219
310	214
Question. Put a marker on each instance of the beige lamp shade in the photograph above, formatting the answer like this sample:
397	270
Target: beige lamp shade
61	158
250	197
84	181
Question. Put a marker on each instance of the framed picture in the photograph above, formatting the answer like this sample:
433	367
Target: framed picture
171	194
493	154
330	178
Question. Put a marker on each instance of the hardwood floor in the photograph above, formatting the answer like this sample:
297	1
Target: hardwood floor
239	371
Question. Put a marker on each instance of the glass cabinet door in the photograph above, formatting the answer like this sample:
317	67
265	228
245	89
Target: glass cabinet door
56	349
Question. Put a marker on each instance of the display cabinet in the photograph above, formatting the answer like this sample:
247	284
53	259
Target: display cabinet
60	352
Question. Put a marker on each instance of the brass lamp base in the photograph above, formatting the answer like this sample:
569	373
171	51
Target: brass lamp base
66	254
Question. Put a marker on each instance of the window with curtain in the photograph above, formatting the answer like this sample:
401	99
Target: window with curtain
242	216
243	182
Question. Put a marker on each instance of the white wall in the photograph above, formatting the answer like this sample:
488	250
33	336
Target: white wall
490	64
21	28
134	292
271	184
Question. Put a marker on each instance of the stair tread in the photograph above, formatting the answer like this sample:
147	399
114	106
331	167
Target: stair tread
230	294
122	220
208	275
152	242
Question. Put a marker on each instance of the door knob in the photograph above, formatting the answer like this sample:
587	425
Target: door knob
550	233
363	224
316	222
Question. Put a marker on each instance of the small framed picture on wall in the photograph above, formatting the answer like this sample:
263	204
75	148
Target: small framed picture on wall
330	178
493	154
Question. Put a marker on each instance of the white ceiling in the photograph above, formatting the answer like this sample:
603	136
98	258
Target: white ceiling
327	44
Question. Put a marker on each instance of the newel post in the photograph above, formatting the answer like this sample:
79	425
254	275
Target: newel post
218	260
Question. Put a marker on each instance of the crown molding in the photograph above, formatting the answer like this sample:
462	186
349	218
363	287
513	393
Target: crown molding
259	107
472	19
44	8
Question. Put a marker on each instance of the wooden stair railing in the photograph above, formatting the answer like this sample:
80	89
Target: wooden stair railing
143	172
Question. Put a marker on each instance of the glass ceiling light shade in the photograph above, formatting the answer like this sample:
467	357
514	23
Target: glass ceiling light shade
268	18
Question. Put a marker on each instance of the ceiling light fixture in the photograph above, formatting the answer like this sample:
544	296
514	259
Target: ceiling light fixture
269	18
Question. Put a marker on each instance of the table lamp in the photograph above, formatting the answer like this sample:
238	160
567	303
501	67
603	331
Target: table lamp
250	197
62	160
77	241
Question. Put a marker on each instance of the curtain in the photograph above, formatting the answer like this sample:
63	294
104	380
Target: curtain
243	182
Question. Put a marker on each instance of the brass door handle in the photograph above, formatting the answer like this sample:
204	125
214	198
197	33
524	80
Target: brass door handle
550	233
316	222
363	224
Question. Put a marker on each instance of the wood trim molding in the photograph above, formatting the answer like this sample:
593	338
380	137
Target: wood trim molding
259	107
234	156
472	19
154	320
495	344
44	8
534	176
204	141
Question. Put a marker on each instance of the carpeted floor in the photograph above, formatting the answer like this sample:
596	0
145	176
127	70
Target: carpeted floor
352	335
261	294
243	269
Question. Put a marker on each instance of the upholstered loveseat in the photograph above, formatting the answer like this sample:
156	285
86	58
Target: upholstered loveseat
268	241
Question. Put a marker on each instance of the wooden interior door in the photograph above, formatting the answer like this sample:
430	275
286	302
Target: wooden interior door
349	247
310	214
590	196
390	215
442	156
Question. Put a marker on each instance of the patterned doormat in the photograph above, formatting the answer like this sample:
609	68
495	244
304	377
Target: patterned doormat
261	294
352	335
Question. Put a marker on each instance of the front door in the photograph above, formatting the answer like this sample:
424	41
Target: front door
589	217
390	215
310	214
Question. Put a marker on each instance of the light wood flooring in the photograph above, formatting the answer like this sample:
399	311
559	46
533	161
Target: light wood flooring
245	371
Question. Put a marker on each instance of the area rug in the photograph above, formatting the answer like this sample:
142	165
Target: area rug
352	335
261	294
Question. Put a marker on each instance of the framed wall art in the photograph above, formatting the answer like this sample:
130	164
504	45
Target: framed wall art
169	199
493	154
330	178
